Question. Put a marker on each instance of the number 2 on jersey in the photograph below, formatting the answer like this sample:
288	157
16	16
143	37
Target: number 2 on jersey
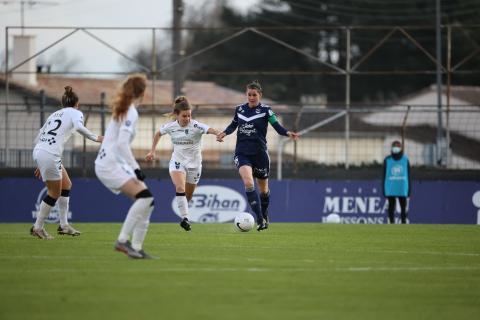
57	125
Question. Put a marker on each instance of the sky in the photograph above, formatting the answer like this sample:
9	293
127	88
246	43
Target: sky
89	54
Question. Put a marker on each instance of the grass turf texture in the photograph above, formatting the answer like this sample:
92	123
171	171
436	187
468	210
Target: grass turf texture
291	271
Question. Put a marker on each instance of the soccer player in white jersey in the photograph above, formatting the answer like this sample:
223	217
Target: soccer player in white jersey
48	156
118	170
186	163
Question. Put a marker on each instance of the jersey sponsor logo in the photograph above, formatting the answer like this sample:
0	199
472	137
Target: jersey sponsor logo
128	123
183	142
248	119
54	216
213	204
247	129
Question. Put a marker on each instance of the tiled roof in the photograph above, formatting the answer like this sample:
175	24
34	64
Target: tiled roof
89	90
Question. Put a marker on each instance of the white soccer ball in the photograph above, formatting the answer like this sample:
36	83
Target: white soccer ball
244	222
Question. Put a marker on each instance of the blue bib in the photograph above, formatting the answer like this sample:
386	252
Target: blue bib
396	177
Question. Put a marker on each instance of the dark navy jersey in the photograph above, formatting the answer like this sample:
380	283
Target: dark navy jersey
252	126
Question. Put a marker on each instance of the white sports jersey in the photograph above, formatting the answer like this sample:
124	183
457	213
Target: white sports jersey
116	142
187	141
59	127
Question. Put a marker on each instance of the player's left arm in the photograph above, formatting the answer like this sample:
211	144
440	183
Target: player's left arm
272	119
80	128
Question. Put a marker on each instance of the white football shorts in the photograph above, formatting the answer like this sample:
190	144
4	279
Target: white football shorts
50	165
115	176
192	173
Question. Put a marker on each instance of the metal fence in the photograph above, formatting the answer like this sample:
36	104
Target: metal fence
326	138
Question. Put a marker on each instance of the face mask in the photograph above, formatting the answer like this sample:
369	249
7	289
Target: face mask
396	150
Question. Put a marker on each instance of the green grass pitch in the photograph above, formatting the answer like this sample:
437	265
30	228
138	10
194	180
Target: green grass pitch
291	271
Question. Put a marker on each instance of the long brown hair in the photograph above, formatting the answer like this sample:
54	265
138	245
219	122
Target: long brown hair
69	98
133	88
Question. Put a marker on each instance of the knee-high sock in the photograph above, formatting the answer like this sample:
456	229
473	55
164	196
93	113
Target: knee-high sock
182	204
391	209
63	202
141	227
136	211
45	206
265	201
254	201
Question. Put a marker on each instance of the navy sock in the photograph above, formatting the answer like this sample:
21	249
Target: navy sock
265	201
254	202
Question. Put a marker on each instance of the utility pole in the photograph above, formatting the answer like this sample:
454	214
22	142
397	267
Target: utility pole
440	142
30	3
176	47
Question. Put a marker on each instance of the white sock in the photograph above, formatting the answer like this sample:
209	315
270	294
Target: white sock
134	215
43	213
63	210
182	204
141	227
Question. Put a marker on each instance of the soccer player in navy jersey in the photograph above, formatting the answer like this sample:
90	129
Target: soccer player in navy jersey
251	153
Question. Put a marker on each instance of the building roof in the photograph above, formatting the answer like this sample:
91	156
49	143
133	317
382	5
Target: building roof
204	94
89	90
468	95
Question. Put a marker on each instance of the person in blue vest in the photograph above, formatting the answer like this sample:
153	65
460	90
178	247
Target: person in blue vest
396	181
251	154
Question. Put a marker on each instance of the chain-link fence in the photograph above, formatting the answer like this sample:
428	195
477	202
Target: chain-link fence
328	140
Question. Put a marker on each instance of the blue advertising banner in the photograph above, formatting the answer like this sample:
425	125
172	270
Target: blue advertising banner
456	202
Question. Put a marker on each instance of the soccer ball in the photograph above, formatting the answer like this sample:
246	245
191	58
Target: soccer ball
244	222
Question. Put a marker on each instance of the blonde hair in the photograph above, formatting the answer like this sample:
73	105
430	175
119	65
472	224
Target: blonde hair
133	88
180	104
69	98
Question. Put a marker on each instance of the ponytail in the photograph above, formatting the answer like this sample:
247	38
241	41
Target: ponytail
132	89
69	98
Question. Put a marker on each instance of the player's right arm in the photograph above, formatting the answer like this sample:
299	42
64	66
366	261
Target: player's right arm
165	129
151	154
230	129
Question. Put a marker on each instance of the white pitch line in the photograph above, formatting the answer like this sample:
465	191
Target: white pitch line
310	270
440	253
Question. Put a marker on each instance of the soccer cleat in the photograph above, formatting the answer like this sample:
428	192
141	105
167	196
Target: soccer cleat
40	233
262	225
185	224
145	255
68	230
126	247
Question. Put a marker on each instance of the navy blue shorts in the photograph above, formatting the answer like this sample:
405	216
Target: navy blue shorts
259	162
